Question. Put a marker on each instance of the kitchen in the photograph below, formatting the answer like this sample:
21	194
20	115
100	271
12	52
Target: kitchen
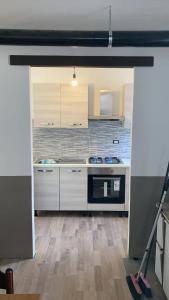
77	252
82	138
117	232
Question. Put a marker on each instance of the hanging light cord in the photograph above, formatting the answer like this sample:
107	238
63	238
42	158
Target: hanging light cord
110	27
74	74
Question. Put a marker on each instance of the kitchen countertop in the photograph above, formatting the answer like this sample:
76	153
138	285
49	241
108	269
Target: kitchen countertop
125	164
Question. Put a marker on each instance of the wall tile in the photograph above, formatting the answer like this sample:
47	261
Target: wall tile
82	143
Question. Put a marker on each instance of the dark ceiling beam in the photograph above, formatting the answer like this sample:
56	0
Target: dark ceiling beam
82	61
84	38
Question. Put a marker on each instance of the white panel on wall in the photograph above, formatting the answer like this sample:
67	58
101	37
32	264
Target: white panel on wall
150	143
15	125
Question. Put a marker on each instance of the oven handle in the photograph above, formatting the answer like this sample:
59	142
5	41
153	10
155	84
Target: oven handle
106	178
105	188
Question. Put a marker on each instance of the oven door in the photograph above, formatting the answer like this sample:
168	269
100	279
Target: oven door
106	189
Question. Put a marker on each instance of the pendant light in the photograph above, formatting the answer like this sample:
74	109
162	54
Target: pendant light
74	80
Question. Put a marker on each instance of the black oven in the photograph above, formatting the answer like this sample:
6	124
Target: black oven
106	186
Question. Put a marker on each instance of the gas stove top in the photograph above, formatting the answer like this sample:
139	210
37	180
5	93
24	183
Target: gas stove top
104	160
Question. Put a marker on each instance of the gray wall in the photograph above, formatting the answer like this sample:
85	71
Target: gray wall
16	221
150	148
150	132
83	143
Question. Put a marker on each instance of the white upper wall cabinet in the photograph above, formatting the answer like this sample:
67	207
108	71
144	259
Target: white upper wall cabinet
60	105
46	105
74	106
106	104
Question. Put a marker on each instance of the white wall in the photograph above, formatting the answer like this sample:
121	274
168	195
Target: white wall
150	124
151	106
15	149
103	78
150	148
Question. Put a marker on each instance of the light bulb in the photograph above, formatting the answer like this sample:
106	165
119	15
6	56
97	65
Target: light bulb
74	81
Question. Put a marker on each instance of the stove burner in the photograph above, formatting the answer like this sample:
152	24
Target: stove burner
106	160
112	160
95	160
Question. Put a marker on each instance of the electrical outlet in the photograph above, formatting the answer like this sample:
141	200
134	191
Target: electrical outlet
115	141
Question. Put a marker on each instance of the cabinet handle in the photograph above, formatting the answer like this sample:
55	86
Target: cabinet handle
44	124
45	171
76	171
77	124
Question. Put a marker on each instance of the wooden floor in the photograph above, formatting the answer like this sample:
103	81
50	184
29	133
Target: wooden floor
77	258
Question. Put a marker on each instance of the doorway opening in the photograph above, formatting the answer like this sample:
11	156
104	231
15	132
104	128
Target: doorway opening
82	156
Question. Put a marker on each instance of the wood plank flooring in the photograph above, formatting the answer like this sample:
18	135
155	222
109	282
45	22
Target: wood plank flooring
77	258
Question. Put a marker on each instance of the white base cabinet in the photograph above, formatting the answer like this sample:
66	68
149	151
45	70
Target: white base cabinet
166	261
162	254
46	188
159	263
73	189
166	274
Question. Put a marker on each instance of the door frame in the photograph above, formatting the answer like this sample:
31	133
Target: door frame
82	61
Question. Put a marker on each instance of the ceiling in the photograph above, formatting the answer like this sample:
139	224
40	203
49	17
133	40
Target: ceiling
84	15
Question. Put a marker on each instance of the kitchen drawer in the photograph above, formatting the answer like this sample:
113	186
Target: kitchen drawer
73	188
46	188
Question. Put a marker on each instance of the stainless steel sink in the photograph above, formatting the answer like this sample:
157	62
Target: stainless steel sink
46	161
72	161
60	161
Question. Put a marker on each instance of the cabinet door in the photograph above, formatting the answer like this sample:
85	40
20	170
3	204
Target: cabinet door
46	105
166	274
159	262
46	188
160	231
74	106
166	237
73	188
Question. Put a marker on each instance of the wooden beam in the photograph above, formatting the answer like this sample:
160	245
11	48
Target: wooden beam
82	61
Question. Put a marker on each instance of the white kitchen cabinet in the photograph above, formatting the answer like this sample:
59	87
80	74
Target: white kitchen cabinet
162	254
159	249
166	262
159	262
106	104
166	274
74	106
46	188
161	231
166	237
46	105
73	188
60	105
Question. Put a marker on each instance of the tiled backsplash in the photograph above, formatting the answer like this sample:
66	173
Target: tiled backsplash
82	143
